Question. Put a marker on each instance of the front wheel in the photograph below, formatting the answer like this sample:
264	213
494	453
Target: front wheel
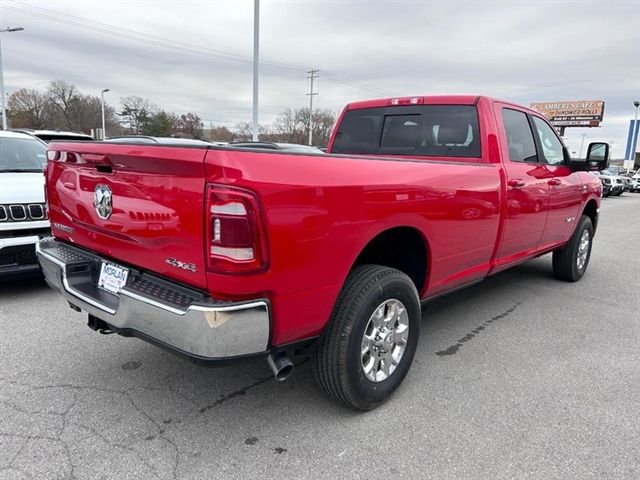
571	261
369	343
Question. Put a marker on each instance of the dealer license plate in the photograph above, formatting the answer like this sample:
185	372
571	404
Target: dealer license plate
112	277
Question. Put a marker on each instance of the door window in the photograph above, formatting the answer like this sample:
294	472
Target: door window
522	147
552	151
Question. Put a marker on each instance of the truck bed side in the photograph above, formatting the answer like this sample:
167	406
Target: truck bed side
323	211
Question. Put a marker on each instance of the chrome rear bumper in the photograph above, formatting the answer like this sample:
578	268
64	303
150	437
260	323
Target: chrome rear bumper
160	311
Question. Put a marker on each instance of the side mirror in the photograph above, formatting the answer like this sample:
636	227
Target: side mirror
597	159
598	152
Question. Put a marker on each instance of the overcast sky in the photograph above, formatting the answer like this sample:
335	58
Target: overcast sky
196	55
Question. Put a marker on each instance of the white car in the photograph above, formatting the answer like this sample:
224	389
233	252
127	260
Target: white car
635	182
23	216
49	135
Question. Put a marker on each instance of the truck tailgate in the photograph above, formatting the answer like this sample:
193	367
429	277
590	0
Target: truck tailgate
141	206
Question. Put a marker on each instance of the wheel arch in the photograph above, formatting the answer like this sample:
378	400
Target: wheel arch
402	247
591	210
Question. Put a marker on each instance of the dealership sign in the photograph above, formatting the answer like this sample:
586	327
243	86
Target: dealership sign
582	113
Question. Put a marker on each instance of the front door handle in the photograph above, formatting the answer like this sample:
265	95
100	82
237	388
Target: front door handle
516	183
554	182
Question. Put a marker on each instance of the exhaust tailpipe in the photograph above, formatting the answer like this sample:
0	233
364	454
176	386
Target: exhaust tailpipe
281	365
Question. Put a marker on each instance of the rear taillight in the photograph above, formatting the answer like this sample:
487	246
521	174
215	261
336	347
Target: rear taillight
236	233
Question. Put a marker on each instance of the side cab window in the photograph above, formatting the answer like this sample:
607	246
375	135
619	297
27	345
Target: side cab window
552	148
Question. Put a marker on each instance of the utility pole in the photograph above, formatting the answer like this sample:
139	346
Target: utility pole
312	75
256	48
582	144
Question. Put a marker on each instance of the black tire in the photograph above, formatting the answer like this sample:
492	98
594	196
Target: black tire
565	260
337	362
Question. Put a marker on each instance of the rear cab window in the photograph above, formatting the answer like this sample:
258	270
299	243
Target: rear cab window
425	130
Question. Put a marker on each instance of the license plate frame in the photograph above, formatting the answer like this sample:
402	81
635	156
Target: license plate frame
112	277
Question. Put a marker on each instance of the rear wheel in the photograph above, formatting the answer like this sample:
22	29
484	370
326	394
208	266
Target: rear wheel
571	261
369	343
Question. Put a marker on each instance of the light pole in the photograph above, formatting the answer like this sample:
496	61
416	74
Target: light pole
4	100
104	132
634	138
256	64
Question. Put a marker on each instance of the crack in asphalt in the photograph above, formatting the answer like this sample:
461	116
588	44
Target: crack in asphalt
66	423
159	426
15	456
453	349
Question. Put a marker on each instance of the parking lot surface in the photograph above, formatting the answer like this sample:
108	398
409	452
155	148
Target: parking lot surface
521	376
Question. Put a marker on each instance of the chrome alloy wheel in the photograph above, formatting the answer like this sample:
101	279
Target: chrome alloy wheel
583	250
385	340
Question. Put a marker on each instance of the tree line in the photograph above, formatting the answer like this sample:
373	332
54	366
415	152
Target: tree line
63	107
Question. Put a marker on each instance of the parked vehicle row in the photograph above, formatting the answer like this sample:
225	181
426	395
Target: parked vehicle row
614	184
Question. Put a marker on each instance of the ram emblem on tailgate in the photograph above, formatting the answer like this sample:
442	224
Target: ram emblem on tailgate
102	201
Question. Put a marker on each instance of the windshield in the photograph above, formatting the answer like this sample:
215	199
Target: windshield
430	130
22	155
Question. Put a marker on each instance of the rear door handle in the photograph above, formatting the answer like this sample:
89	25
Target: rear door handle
554	182
516	183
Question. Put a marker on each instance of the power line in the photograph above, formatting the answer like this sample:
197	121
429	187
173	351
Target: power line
162	42
156	40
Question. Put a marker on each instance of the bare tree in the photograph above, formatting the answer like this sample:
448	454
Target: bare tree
292	126
191	125
288	128
242	132
63	107
27	108
87	115
63	103
136	112
323	122
220	134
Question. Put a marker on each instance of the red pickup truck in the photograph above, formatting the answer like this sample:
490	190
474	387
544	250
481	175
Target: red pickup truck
224	253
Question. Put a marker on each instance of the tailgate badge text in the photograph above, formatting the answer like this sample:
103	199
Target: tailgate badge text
185	266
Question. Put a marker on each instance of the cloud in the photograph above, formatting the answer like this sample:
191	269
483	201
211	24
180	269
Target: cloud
519	51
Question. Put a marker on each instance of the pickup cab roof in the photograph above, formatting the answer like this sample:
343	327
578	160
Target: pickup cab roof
429	100
415	100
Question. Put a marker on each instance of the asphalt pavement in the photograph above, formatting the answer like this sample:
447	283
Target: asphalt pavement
521	376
